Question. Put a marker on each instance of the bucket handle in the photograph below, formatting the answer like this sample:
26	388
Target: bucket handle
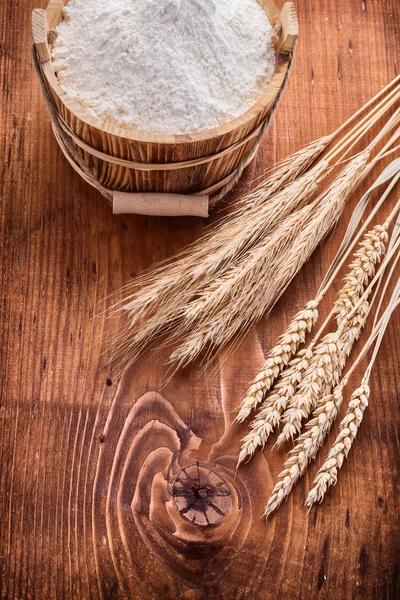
160	205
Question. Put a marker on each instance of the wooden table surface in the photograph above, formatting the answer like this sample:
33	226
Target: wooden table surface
85	510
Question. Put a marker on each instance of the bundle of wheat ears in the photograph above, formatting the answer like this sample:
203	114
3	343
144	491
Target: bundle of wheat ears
229	279
326	406
295	383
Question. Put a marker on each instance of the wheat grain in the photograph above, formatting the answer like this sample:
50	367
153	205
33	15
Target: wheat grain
348	429
278	358
362	268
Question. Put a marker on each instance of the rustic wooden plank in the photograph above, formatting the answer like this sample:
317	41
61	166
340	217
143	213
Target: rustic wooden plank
69	445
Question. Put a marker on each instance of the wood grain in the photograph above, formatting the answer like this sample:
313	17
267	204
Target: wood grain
86	469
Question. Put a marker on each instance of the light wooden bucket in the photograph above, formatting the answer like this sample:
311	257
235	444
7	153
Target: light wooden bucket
160	174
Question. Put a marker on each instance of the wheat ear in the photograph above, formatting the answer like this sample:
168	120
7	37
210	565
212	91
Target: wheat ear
321	373
348	429
308	444
278	358
160	279
168	288
324	371
306	448
289	169
263	227
368	255
228	294
269	416
328	360
229	237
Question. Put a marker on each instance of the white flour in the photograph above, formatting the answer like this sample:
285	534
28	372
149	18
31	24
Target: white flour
165	66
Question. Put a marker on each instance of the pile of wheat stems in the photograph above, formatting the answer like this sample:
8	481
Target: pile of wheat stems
230	278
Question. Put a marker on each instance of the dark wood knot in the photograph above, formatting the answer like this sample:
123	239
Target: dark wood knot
201	495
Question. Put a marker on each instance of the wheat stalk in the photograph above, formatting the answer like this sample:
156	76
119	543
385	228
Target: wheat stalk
280	355
348	429
299	162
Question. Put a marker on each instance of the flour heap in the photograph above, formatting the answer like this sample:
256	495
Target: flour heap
165	66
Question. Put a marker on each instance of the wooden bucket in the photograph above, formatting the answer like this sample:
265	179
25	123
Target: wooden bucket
160	174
